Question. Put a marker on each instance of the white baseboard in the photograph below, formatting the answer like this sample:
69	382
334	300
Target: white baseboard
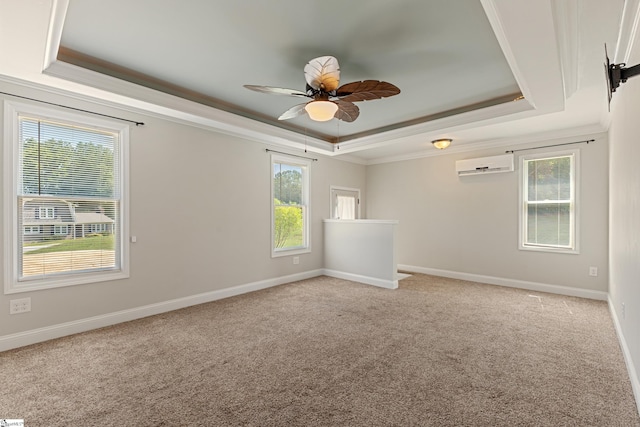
633	373
383	283
21	339
512	283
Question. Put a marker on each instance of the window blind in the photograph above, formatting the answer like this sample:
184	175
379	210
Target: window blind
68	198
549	200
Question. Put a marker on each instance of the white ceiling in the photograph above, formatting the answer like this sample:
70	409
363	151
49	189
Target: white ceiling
459	64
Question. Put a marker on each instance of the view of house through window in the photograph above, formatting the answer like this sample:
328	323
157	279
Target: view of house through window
549	206
290	202
68	199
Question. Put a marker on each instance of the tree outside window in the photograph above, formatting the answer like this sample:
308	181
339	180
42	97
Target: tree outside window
290	201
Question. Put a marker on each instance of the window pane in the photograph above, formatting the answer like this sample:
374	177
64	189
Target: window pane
290	196
345	207
287	183
68	200
58	159
549	224
288	226
549	179
80	237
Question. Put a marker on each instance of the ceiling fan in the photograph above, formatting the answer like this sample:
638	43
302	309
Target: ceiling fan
329	100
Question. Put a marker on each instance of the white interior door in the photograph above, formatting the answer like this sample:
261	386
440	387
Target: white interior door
345	203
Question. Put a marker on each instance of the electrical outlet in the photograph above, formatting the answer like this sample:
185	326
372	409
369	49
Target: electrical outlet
296	260
593	271
17	306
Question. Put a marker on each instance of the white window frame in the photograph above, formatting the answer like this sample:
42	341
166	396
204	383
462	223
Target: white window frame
12	284
97	228
33	230
49	213
60	230
335	191
305	164
574	247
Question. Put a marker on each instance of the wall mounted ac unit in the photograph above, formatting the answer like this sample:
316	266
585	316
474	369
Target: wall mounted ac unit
494	164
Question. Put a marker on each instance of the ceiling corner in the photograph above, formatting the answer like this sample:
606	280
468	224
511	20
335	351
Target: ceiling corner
54	32
628	31
526	33
567	33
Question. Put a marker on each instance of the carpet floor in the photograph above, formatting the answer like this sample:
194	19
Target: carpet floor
329	352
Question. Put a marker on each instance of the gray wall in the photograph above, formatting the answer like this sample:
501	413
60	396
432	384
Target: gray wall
470	224
200	209
624	227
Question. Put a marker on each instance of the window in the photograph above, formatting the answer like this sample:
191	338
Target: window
61	230
63	168
290	205
98	228
46	213
345	203
549	202
33	229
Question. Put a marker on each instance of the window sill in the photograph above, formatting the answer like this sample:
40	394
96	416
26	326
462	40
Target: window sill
549	250
289	252
63	281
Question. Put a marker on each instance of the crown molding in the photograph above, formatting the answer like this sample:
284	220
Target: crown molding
54	32
539	76
628	31
561	136
567	23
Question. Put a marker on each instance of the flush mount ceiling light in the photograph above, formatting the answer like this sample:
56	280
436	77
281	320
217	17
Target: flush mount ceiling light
442	143
321	111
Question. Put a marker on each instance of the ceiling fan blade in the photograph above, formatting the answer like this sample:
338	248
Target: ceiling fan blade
276	90
323	73
347	111
366	90
292	112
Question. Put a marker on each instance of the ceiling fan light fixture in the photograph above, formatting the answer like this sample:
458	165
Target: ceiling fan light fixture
442	143
321	111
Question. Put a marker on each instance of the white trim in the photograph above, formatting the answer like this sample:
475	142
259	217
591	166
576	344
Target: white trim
557	136
7	342
513	24
492	11
510	283
628	29
333	188
54	32
633	373
575	190
198	116
305	164
542	78
122	94
567	19
10	154
382	283
12	109
365	221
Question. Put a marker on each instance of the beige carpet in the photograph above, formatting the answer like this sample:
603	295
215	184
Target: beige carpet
327	352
